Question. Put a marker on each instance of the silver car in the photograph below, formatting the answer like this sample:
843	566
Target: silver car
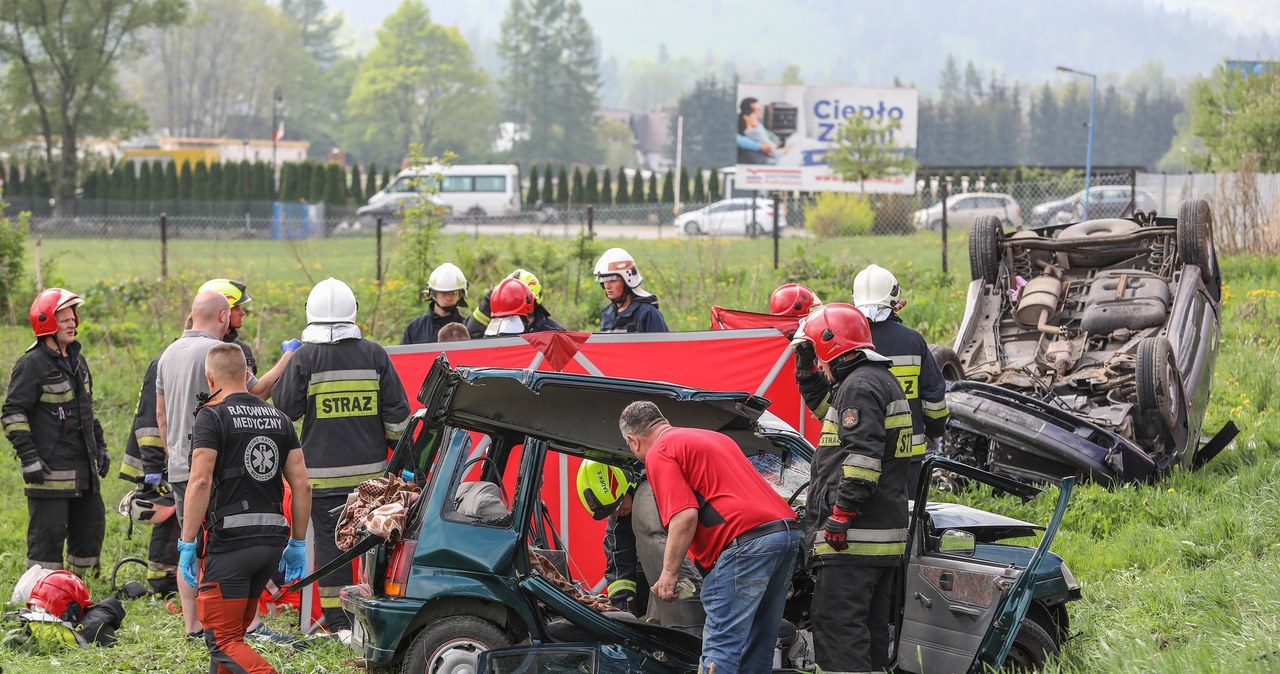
965	209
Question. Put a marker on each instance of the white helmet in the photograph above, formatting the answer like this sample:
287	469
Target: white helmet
876	289
618	262
331	301
445	278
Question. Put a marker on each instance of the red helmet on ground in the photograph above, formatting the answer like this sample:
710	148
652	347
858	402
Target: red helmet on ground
837	329
61	594
511	298
48	303
792	299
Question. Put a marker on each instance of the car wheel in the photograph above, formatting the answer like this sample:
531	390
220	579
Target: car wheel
935	226
1195	237
1032	648
984	249
754	229
475	212
948	362
691	228
1160	402
452	646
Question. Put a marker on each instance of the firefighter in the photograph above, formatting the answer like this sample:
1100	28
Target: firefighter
243	450
514	311
877	294
237	296
631	308
446	291
603	489
857	515
353	409
144	466
793	299
48	416
479	319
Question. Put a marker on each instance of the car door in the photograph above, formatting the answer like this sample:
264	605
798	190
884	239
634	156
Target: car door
736	217
961	613
963	213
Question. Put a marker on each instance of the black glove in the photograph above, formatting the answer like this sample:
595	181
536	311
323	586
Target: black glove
33	472
104	461
806	359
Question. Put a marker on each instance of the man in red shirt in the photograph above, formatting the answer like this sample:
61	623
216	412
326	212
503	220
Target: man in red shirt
718	509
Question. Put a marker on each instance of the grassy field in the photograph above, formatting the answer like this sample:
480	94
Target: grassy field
1181	576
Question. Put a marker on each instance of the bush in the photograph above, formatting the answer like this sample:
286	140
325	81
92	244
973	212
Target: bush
13	254
835	214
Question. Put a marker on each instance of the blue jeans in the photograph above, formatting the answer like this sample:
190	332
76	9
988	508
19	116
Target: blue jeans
744	596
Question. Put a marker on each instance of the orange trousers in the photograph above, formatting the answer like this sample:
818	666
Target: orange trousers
230	585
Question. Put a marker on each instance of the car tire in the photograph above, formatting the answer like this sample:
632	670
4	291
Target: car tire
691	228
1032	649
1160	399
984	249
935	226
475	212
1195	237
754	229
452	645
948	362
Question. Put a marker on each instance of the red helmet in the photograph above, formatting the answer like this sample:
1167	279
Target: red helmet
511	298
837	329
792	299
48	303
61	594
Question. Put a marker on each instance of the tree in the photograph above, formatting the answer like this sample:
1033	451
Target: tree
535	189
637	189
579	192
653	187
606	187
261	182
622	197
699	188
551	79
216	182
708	113
668	187
318	29
357	186
591	193
867	149
186	182
172	188
684	185
1237	115
548	186
371	183
316	189
791	75
419	84
61	80
335	185
145	189
562	186
713	186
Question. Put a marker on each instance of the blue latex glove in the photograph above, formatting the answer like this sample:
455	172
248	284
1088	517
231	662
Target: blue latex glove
153	479
291	345
294	560
187	561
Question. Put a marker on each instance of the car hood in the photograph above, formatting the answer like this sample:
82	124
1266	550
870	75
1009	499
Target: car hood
577	412
986	527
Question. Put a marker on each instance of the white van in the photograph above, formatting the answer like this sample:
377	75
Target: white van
477	190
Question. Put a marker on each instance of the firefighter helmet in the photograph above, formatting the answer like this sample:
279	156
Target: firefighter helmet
876	287
61	594
151	506
331	301
601	487
511	298
531	281
447	278
837	329
48	303
618	262
234	291
793	299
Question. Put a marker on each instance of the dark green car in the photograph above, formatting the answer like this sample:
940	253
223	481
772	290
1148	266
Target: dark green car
461	582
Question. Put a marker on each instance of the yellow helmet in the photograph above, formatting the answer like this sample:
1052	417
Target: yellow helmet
234	291
530	280
601	487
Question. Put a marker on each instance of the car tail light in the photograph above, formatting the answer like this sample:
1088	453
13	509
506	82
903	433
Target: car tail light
399	561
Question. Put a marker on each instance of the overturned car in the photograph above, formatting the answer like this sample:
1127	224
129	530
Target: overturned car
1087	349
460	583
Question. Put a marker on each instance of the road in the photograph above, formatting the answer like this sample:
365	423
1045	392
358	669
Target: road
605	231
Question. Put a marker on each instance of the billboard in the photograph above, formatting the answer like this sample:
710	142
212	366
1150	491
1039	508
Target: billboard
784	132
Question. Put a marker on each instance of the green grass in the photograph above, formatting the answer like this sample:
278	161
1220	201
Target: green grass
1180	576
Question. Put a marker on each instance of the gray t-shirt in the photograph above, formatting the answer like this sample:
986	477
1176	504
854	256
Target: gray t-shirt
179	377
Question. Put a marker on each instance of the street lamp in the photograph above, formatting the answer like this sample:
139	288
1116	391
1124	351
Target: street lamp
1088	153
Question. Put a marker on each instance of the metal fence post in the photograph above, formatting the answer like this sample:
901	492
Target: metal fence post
1133	191
164	246
591	218
945	191
776	233
379	258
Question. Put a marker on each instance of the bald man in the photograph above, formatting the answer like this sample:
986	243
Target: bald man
180	379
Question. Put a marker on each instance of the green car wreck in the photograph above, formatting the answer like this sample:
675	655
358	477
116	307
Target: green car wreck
462	592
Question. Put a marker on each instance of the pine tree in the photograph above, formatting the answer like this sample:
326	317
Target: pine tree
386	178
259	181
90	185
119	189
144	182
548	185
357	186
13	186
652	196
200	182
172	184
684	185
186	181
579	188
299	181
591	193
315	195
638	195
699	188
215	181
668	187
371	182
535	189
562	186
335	185
231	186
606	187
286	182
130	180
713	186
622	197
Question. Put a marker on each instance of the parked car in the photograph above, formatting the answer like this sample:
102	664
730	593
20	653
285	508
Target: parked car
1088	349
1105	201
474	190
393	211
728	217
458	584
964	209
